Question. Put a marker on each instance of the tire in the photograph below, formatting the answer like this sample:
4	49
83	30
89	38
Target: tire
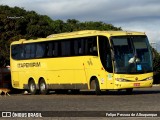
129	91
32	87
95	85
43	87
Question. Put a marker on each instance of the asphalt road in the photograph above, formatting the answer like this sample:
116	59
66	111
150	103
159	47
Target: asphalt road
146	99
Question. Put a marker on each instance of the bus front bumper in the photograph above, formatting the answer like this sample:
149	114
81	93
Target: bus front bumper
137	84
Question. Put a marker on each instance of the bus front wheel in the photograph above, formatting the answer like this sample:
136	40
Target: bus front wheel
32	87
43	87
95	85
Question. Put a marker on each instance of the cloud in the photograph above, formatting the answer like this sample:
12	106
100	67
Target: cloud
103	10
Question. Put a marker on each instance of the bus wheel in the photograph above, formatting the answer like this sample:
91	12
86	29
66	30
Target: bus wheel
95	85
129	91
32	87
43	87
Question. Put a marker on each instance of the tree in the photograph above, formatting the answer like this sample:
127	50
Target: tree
156	66
58	26
17	23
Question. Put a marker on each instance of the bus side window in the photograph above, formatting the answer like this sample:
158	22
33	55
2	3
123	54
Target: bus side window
32	50
40	51
56	49
94	46
22	53
91	46
72	48
50	49
27	51
77	47
81	46
65	48
17	52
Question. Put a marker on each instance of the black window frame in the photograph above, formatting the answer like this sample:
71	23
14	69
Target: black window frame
81	46
105	53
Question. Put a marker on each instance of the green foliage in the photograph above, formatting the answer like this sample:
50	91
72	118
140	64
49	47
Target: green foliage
17	23
156	61
156	66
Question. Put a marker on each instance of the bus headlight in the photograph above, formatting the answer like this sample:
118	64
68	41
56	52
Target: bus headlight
125	80
149	78
121	80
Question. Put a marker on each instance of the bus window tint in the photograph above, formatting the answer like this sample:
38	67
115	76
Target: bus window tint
72	52
27	51
78	49
56	49
65	48
91	46
80	46
50	48
17	52
32	50
41	50
105	53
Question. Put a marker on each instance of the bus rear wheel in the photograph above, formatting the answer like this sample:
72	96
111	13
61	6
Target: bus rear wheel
43	87
95	85
32	87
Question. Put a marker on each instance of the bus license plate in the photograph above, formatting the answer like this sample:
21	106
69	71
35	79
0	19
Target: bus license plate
136	84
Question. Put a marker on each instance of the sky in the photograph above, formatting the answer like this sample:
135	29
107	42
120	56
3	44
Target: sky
135	15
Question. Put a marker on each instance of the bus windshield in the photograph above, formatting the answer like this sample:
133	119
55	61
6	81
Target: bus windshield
132	54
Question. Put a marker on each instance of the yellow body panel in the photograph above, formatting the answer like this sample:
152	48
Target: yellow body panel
73	70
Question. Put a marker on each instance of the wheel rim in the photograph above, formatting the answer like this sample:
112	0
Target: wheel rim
42	86
32	87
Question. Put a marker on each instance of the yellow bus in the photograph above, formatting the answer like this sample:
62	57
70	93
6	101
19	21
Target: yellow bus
82	60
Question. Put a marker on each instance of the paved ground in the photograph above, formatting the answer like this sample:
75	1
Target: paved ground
141	100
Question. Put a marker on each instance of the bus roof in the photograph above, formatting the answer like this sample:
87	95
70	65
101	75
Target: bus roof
77	34
95	32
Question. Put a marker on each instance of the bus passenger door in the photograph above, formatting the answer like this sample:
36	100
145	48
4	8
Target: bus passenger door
106	57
